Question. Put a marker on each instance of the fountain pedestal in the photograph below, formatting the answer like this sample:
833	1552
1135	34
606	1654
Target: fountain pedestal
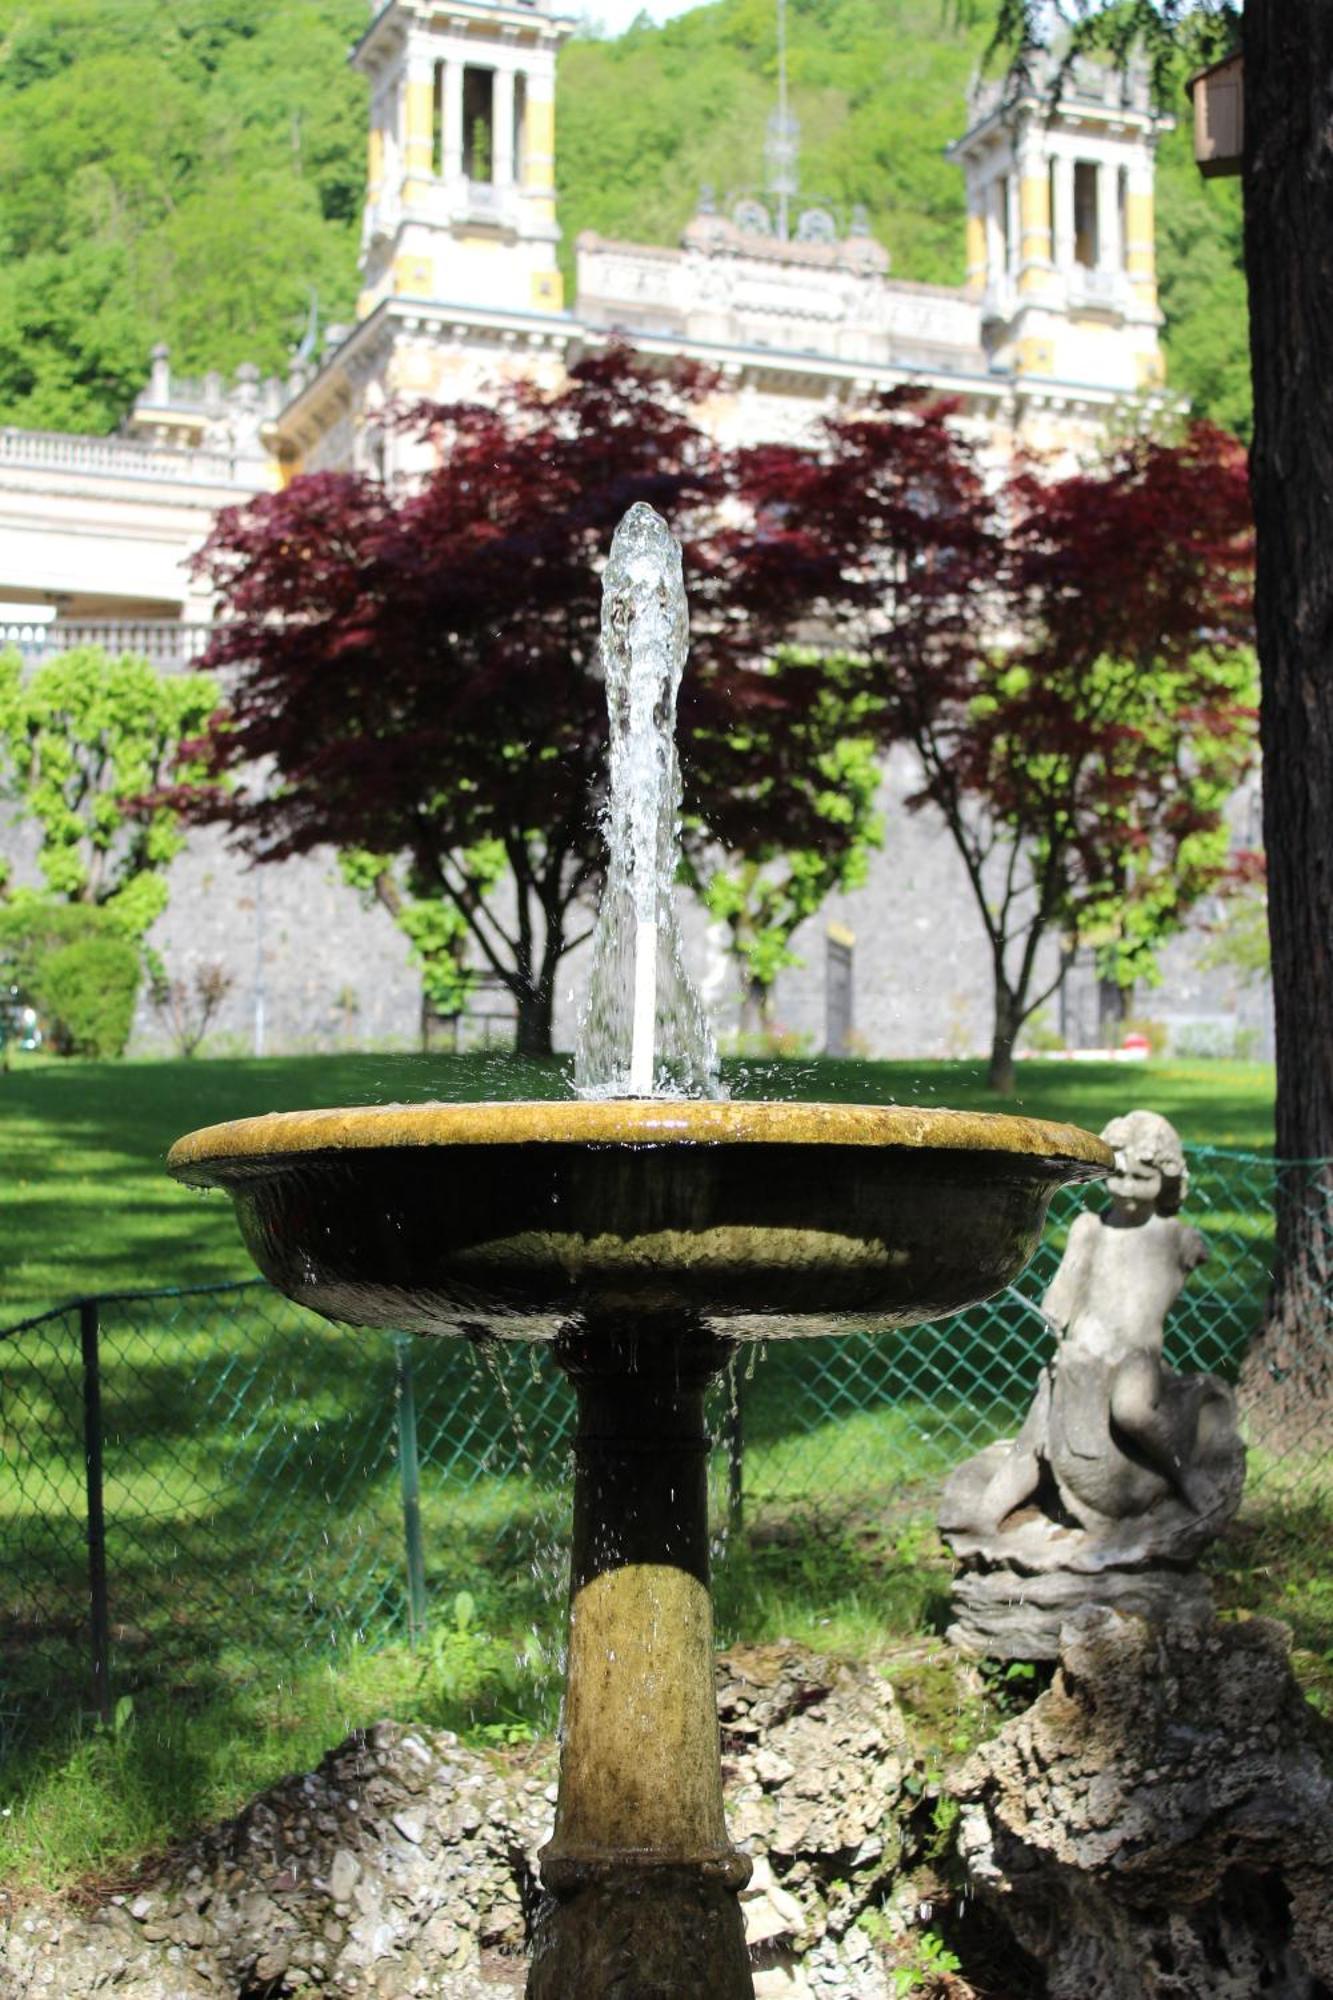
642	1879
643	1238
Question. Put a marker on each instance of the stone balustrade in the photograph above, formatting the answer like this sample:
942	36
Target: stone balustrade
167	642
118	457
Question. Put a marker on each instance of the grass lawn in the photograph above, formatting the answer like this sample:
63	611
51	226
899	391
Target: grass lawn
89	1209
253	1499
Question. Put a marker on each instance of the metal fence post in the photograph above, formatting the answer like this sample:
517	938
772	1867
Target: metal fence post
99	1624
734	1432
409	1471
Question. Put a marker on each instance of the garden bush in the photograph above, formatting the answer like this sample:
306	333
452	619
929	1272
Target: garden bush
86	993
31	928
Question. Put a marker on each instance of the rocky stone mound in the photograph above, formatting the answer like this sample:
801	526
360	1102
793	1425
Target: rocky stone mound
406	1864
1159	1824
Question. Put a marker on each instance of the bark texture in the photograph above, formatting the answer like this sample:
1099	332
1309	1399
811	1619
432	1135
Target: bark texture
1004	1036
1288	181
1159	1824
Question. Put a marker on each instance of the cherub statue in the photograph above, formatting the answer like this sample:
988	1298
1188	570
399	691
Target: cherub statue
1144	1460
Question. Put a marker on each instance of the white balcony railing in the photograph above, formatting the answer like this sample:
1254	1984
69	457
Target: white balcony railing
167	642
114	457
483	201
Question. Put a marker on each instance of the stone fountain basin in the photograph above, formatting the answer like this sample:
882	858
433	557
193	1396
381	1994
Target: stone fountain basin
527	1220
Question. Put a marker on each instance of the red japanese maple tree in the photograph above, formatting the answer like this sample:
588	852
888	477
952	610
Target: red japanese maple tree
412	676
1064	658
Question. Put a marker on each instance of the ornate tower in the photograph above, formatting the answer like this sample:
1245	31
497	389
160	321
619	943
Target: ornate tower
1060	243
460	200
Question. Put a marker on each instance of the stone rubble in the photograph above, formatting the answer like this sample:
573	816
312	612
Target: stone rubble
1159	1824
405	1865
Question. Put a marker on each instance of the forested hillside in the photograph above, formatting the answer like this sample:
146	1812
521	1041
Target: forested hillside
182	171
191	170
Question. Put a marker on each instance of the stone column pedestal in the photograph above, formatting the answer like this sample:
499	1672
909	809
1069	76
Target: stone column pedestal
642	1879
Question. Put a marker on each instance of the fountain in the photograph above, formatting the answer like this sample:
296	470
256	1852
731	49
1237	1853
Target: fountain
642	1229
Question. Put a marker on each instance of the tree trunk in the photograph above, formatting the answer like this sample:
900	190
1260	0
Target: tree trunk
1113	1004
1008	1020
1288	181
533	1023
756	1001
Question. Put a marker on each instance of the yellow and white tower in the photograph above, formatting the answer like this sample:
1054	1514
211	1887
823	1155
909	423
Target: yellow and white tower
460	200
1060	226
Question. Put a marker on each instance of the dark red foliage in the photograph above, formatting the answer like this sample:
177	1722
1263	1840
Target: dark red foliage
415	672
1150	556
1060	654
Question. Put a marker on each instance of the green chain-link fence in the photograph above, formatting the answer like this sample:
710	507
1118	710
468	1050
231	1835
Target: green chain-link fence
195	1482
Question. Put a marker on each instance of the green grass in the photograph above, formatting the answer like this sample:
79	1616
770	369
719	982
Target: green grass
867	1584
253	1499
89	1208
93	1801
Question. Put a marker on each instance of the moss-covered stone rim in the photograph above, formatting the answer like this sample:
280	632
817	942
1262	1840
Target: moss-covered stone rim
641	1122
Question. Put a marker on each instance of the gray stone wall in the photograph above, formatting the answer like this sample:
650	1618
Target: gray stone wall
314	968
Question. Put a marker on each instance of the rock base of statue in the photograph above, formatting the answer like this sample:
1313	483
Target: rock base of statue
1000	1614
1160	1822
1020	1579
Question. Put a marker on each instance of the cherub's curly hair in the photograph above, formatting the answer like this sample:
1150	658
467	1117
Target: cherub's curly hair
1150	1135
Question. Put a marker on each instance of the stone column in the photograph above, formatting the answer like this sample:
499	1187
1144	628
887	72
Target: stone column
502	128
995	258
1034	209
1063	218
451	120
642	1878
1108	217
976	242
539	166
521	95
1140	246
418	120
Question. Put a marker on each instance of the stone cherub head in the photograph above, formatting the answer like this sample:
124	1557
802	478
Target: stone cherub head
1150	1177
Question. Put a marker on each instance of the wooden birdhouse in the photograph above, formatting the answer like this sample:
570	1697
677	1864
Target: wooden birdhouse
1218	94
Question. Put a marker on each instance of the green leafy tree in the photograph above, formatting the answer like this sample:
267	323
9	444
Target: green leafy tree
185	174
83	739
764	897
1239	943
646	119
1201	272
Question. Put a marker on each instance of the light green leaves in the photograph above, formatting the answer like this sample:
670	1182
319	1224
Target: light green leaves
85	740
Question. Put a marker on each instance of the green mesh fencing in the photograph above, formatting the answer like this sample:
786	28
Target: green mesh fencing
271	1483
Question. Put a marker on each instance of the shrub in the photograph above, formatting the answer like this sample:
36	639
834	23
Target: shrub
1204	1041
32	928
87	993
186	1007
1040	1034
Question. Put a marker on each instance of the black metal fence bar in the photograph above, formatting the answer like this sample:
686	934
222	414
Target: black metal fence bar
410	1469
99	1622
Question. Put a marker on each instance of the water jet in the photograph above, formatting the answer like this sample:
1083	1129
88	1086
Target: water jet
642	1236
